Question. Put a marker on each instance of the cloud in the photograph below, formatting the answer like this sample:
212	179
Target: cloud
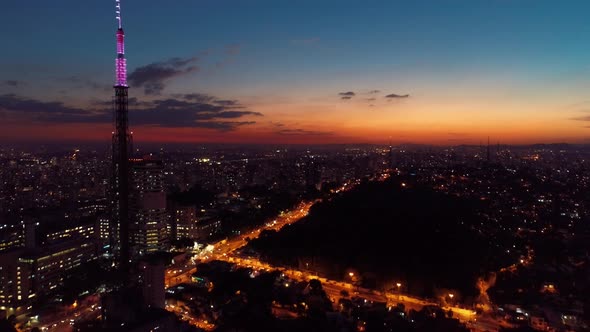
303	132
227	103
346	95
133	103
223	125
197	97
393	95
12	83
205	98
21	108
370	99
207	112
372	92
185	113
581	118
14	103
153	77
277	124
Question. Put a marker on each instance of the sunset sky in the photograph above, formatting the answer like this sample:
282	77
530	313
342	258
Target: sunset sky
438	72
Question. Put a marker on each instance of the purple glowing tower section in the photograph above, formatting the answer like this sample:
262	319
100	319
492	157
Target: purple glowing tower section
120	62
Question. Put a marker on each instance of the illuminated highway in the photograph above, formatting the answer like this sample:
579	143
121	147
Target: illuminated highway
225	250
333	288
187	317
88	309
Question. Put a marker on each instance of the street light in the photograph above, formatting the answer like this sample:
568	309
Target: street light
351	274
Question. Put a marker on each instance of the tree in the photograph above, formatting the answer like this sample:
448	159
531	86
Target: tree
450	313
6	325
315	286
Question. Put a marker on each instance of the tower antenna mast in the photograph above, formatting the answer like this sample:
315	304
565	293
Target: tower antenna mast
118	13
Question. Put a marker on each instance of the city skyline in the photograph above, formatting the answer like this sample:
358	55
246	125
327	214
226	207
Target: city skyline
307	166
304	74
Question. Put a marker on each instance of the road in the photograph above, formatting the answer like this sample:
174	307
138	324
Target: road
187	317
334	288
225	250
87	309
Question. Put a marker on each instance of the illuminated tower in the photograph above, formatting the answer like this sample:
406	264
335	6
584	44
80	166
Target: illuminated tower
121	152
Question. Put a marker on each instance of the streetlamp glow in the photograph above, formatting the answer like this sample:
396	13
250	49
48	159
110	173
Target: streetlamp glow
399	292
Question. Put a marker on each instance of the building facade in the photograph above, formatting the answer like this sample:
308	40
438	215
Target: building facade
149	219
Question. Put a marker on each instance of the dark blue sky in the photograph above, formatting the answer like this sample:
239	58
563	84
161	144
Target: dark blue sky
274	55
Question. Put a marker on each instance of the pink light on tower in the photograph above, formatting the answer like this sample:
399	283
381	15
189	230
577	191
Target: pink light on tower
120	62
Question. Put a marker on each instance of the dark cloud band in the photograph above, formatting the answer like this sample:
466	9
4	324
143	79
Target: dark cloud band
153	77
187	111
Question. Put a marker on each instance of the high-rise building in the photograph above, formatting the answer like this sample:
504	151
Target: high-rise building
8	279
42	270
121	150
104	231
32	270
11	236
17	235
392	162
153	288
149	218
183	221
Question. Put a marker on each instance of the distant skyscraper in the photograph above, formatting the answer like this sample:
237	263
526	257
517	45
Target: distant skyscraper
391	158
149	218
184	221
153	287
121	151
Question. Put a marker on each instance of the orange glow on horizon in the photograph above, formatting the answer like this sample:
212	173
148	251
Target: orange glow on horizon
255	134
326	122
